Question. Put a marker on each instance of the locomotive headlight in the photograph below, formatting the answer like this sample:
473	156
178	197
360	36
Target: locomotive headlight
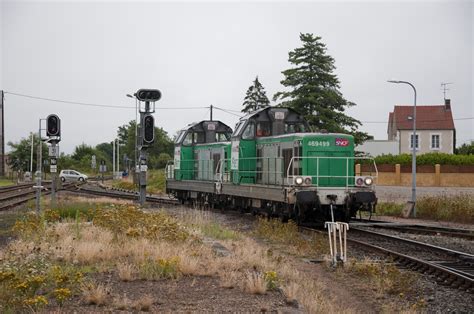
308	181
368	181
359	181
299	180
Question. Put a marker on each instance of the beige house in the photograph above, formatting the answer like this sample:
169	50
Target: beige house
435	130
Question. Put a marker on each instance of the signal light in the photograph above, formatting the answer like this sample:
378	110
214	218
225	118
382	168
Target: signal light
53	125
148	129
148	95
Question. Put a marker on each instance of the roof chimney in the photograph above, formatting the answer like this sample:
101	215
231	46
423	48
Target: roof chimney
447	104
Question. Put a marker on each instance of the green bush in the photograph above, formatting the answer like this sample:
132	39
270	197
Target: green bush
426	159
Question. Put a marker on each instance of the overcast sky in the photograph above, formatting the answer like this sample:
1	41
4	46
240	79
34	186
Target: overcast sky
200	54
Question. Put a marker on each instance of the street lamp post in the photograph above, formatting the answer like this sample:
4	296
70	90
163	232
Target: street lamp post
136	129
413	159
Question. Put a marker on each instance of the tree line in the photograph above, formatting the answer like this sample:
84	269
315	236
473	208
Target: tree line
81	158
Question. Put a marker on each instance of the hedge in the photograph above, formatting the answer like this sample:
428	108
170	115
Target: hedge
426	159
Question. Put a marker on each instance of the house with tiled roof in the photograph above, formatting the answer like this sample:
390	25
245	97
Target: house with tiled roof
435	130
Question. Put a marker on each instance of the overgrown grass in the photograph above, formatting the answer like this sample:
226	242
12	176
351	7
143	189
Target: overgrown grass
459	208
386	277
456	208
288	234
216	231
6	182
156	181
126	184
389	209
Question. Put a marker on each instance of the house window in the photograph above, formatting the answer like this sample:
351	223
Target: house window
417	146
434	141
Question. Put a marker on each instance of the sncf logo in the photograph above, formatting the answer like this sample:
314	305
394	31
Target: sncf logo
342	142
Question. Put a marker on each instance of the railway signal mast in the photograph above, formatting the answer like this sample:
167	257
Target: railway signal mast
146	135
53	131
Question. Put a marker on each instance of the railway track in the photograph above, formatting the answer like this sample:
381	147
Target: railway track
11	196
120	194
431	230
417	228
447	267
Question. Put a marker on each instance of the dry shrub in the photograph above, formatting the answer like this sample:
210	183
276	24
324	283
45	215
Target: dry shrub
95	294
126	271
189	265
144	303
122	303
291	292
93	252
229	279
255	283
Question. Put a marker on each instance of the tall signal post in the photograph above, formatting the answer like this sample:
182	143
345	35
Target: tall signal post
147	134
53	131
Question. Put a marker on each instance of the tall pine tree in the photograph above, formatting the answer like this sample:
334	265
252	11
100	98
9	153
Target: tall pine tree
314	89
255	97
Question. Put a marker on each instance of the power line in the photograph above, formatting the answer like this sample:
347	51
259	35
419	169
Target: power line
228	111
91	104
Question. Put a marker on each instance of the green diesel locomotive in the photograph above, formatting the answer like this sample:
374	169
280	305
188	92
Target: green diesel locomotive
271	163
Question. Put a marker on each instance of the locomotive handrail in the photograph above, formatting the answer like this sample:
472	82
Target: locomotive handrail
271	176
317	176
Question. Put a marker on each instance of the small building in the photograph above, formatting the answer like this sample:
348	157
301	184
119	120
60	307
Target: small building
435	130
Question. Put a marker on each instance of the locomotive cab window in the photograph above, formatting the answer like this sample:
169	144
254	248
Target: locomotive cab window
263	128
295	128
199	137
222	137
180	137
249	132
188	140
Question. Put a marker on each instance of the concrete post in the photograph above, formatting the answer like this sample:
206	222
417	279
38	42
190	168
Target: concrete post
398	175
437	175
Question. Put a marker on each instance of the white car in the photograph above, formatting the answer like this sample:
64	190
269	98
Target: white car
72	175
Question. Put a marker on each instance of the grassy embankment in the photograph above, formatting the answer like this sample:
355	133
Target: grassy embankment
61	257
459	208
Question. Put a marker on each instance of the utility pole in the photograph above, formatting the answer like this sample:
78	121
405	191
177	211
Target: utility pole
113	159
211	111
38	186
2	135
31	158
118	156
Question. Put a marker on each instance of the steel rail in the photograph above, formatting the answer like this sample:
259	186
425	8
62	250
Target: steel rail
125	194
16	199
417	243
445	273
420	229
